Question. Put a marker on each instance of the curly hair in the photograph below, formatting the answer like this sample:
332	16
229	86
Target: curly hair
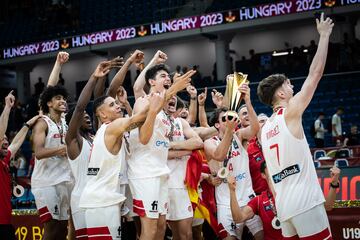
48	94
268	86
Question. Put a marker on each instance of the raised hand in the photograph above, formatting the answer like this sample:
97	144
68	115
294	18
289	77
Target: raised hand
159	57
156	101
137	57
121	95
192	91
202	97
62	57
104	67
10	99
183	81
232	183
217	98
334	174
324	27
245	91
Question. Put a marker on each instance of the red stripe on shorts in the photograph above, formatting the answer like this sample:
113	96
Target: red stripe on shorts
296	237
98	231
44	214
43	210
81	234
324	234
138	207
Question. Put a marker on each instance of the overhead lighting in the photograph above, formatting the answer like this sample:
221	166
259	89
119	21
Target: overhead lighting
305	50
277	54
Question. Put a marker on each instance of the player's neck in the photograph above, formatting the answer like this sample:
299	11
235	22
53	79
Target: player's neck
54	115
279	105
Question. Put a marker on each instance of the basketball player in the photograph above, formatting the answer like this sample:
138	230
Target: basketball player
101	195
51	180
182	141
79	142
147	166
299	199
227	149
264	204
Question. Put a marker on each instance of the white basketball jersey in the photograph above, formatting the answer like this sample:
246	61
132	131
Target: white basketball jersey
150	160
291	168
237	163
53	170
177	166
79	167
102	188
124	157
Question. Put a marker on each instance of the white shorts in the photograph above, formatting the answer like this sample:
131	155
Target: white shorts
53	202
225	218
124	207
103	222
78	215
179	205
150	196
313	223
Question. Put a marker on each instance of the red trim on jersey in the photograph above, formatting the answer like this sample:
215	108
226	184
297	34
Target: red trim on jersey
81	234
324	234
280	112
44	214
138	207
99	233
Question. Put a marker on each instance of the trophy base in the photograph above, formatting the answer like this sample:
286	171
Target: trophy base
223	173
230	115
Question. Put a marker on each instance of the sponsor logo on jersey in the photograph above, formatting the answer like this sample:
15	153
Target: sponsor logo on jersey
273	132
93	171
162	144
240	176
294	169
258	159
267	208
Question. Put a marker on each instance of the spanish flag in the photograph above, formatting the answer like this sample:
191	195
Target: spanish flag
204	207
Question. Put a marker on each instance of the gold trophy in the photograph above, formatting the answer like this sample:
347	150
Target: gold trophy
232	96
233	100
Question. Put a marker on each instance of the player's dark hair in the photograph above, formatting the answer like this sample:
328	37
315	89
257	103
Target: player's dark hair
268	86
48	94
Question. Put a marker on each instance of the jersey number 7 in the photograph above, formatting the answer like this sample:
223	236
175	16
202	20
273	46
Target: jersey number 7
276	147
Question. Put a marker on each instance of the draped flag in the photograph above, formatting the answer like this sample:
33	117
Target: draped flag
204	207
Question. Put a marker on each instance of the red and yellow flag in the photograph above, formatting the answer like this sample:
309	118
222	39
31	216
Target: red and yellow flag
204	207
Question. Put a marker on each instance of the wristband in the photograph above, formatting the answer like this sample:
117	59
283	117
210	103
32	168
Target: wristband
335	186
193	98
26	125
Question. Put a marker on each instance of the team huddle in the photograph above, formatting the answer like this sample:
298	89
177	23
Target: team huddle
260	167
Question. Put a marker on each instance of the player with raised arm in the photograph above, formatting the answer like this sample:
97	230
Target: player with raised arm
7	231
228	150
148	171
78	141
101	195
299	199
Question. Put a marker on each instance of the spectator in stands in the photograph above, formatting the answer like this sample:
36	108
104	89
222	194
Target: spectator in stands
336	125
61	80
353	138
39	86
319	131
